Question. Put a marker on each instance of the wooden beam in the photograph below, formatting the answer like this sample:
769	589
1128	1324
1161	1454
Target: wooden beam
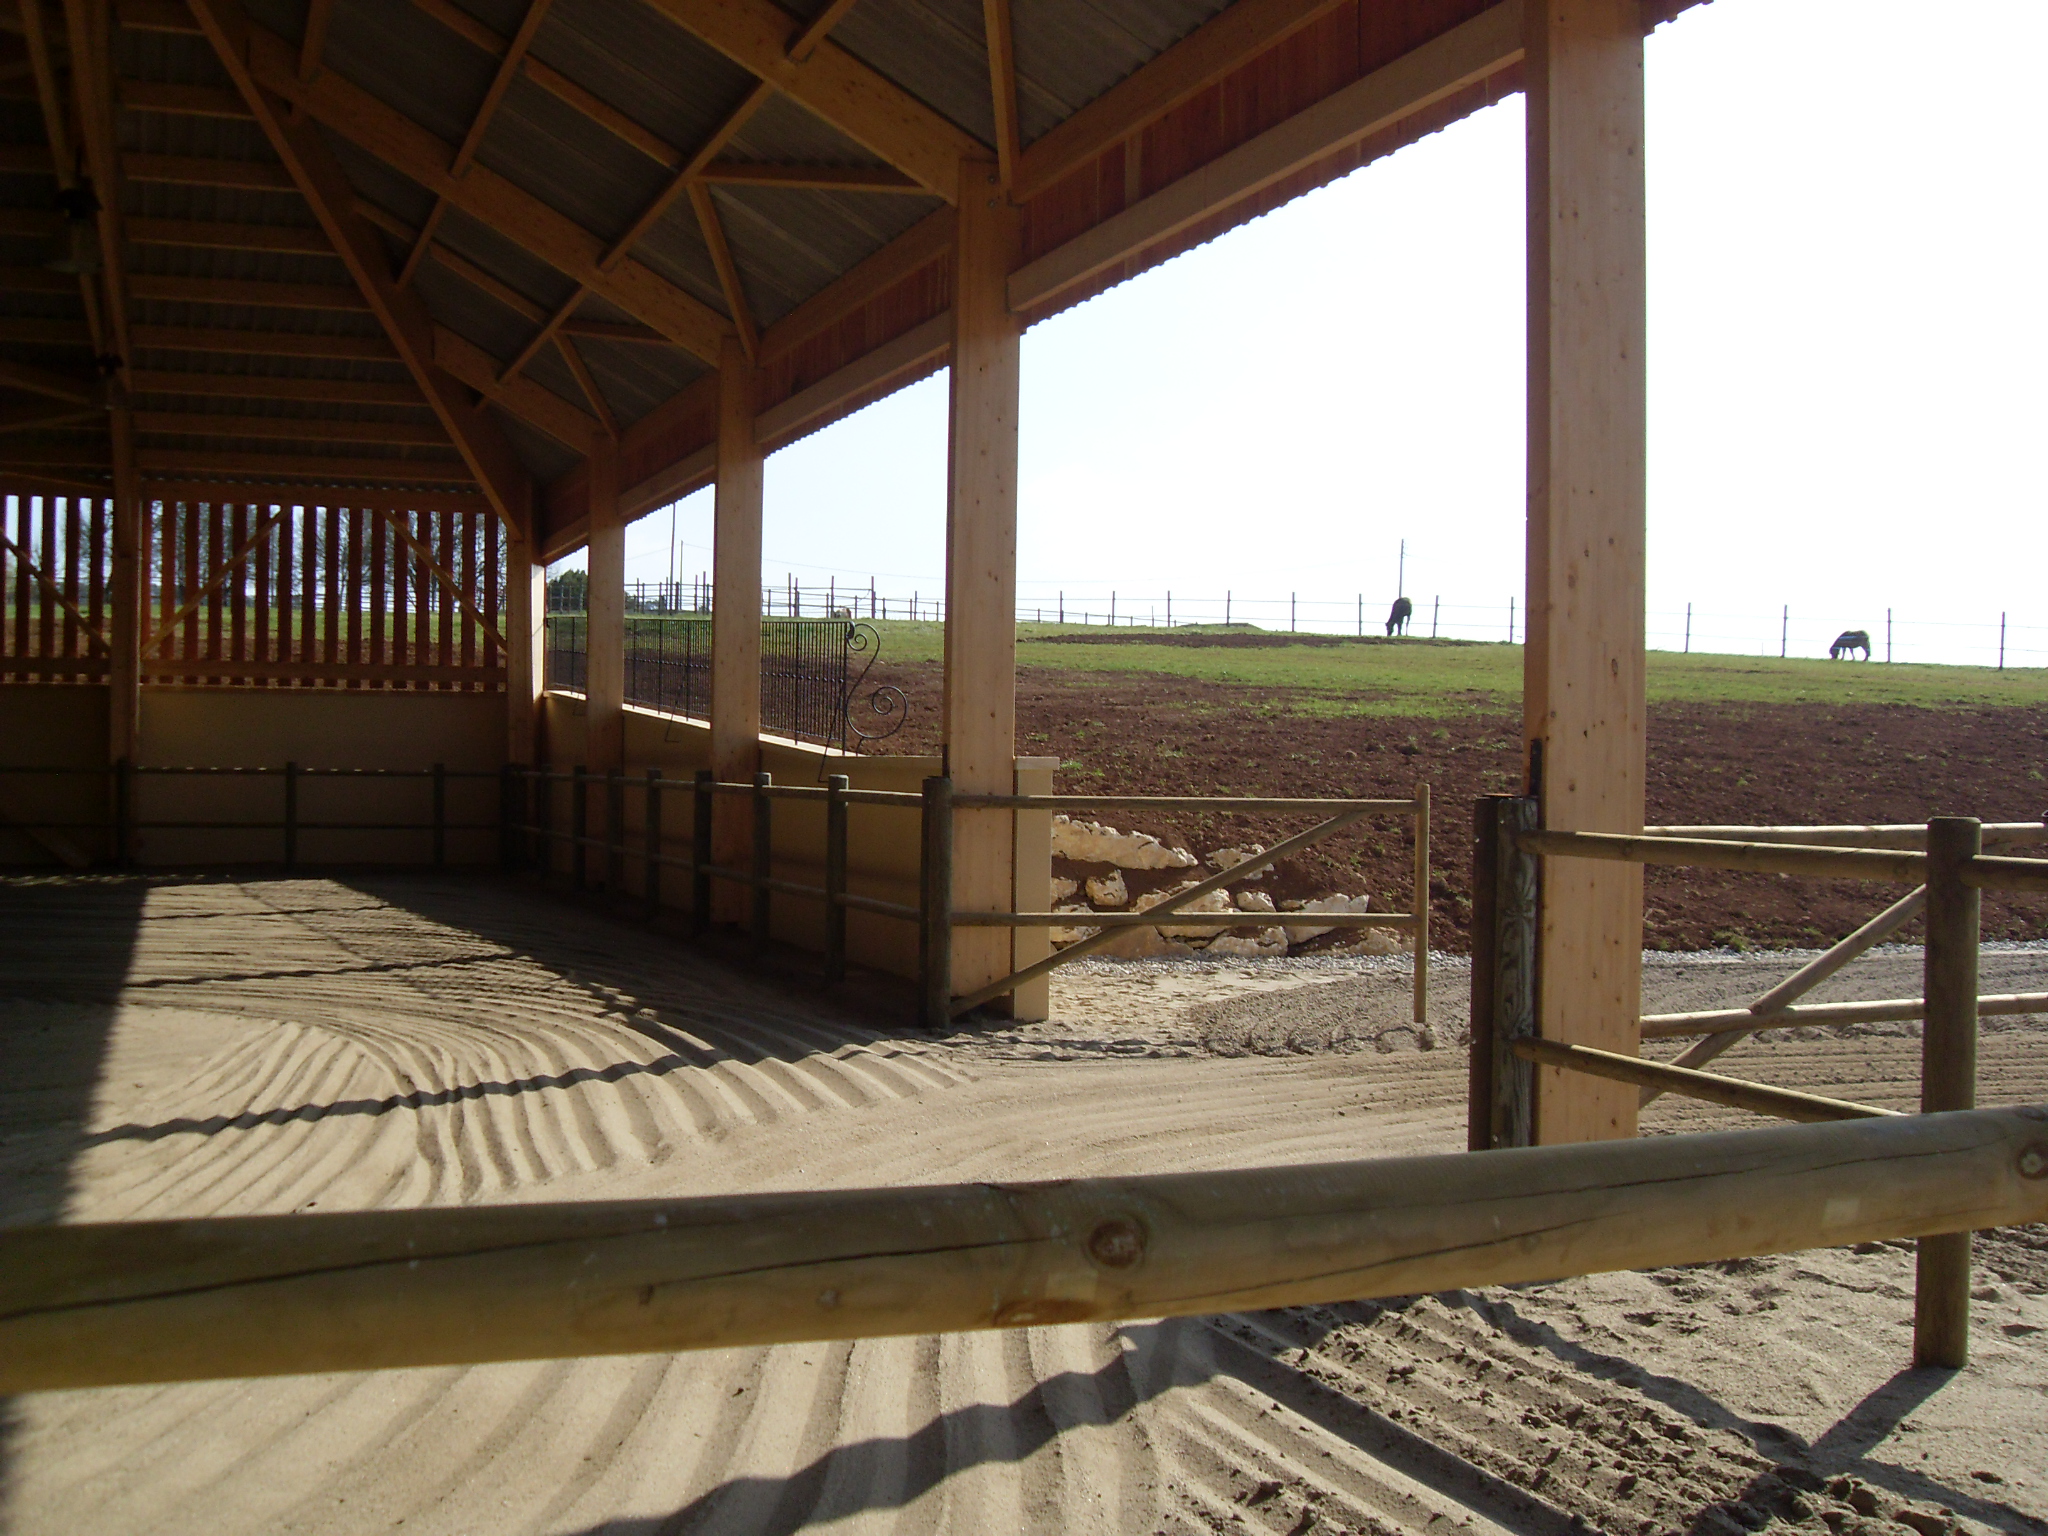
686	178
87	28
294	428
735	620
530	402
313	42
486	457
510	210
168	16
816	178
609	330
52	591
258	386
525	610
221	572
869	109
85	1304
818	28
728	270
234	290
182	100
981	566
189	338
927	241
444	578
295	240
194	171
1583	669
127	567
912	355
1483	46
586	382
1236	35
1002	75
271	466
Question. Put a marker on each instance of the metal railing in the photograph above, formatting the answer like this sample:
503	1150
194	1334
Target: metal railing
1944	861
120	824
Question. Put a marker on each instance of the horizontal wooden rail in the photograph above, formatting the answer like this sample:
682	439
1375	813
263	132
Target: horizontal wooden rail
901	799
1785	1103
1147	919
1890	1010
1173	803
1987	873
155	1301
1709	853
1909	835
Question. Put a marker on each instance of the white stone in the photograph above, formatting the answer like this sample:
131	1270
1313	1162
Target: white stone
1090	842
1230	858
1254	901
1264	943
1069	935
1373	941
1142	944
1063	888
1298	933
1215	901
1109	890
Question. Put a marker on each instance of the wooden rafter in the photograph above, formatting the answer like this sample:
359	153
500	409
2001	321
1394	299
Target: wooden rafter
325	470
35	39
1002	79
294	428
479	125
318	14
42	381
817	28
522	398
728	269
258	386
493	200
860	102
486	456
822	178
182	100
599	406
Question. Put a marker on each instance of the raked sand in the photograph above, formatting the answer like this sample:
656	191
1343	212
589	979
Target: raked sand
214	1047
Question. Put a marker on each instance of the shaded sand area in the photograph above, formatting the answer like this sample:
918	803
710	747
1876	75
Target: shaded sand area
212	1047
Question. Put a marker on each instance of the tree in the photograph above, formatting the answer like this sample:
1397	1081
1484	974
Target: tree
569	592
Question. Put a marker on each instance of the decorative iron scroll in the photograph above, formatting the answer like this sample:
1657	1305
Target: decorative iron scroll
887	702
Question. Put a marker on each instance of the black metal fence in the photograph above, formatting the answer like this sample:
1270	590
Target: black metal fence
808	676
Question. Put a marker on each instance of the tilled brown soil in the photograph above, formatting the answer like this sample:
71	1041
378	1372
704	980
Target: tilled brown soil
1748	764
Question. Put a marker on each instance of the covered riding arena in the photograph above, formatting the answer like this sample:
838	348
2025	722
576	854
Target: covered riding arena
458	1081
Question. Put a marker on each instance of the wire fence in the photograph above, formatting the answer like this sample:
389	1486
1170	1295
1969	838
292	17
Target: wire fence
1996	640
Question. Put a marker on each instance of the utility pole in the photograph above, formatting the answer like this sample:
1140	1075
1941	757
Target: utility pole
1784	631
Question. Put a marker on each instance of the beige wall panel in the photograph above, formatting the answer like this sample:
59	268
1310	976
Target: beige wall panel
49	725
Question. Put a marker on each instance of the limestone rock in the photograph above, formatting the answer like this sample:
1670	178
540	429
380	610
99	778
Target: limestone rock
1142	944
1069	935
1373	941
1063	888
1262	943
1300	932
1090	842
1215	901
1109	890
1230	858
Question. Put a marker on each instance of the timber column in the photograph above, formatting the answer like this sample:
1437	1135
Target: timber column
981	566
1583	669
526	608
604	741
735	626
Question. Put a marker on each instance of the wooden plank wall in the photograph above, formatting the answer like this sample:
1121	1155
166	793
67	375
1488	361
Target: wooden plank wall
359	594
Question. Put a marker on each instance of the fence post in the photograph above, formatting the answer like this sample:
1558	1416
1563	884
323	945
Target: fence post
579	825
1948	1075
291	815
650	837
935	902
1479	1061
614	832
1421	906
700	852
508	818
440	815
763	857
124	811
836	787
1513	1118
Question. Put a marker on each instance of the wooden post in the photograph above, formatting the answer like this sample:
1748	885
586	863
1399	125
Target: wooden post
1422	902
605	637
1948	1075
1479	1058
1583	668
526	609
935	905
579	824
701	812
124	610
981	564
614	832
1516	965
1032	853
124	811
763	862
291	815
650	839
510	796
836	786
544	821
735	621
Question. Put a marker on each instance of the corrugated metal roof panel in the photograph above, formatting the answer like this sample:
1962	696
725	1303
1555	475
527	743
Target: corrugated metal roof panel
636	378
1070	53
790	244
934	49
645	65
409	61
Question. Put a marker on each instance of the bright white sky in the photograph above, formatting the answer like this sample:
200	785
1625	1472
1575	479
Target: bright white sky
1847	321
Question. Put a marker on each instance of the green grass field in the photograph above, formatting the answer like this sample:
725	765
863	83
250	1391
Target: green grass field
1411	677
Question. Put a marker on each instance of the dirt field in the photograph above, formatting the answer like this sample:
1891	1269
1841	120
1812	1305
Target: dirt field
288	1045
1740	764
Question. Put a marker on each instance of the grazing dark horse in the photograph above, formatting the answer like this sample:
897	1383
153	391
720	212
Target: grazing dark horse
1398	619
1850	640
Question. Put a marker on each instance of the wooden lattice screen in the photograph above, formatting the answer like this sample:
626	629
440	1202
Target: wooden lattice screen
262	594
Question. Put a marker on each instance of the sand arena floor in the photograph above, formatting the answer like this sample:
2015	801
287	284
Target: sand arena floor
212	1047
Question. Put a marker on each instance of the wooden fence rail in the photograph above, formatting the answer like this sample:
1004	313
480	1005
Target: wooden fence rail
154	1301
